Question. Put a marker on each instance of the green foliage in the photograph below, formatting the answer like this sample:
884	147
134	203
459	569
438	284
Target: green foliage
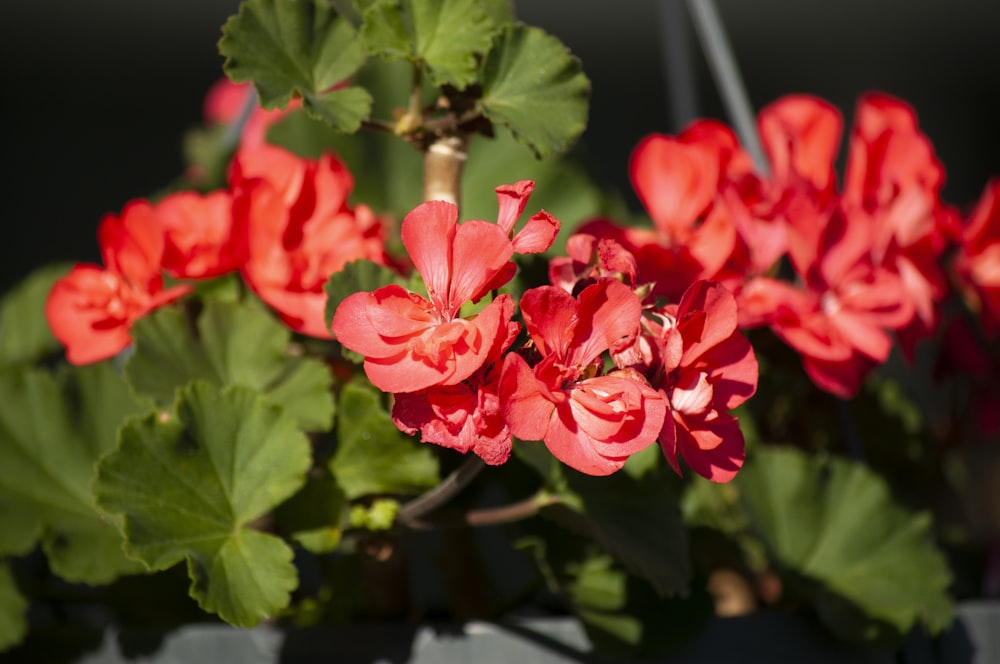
51	434
189	483
832	526
313	517
373	456
13	626
636	520
24	333
446	36
297	48
230	344
533	85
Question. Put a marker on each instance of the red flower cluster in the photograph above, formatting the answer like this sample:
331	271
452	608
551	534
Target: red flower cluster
597	379
865	261
284	223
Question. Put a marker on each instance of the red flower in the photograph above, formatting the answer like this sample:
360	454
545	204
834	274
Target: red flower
704	367
677	180
895	179
590	422
91	309
298	230
466	416
411	343
978	260
199	242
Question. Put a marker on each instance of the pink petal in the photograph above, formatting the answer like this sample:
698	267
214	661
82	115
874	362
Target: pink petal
523	403
712	448
480	250
537	235
511	199
801	136
675	181
608	318
428	233
573	447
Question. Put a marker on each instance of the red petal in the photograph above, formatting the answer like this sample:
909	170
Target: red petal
511	199
428	233
801	136
675	181
608	317
524	405
537	235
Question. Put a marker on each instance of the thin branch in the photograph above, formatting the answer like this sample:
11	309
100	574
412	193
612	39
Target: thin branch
722	63
443	492
378	125
491	516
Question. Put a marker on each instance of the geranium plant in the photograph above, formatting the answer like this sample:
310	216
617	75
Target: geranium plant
365	311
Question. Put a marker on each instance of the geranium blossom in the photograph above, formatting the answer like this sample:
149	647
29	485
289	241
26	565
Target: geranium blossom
199	242
299	230
466	416
704	367
589	421
677	179
977	262
91	309
411	343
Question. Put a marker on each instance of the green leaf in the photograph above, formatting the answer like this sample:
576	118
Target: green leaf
234	344
533	85
13	606
51	435
189	484
297	48
313	517
373	456
834	523
24	331
637	522
446	35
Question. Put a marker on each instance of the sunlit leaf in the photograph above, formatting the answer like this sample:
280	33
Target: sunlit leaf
833	522
297	48
51	435
533	85
189	483
232	344
445	35
373	456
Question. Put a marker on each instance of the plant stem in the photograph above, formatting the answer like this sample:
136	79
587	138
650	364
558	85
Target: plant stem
491	516
720	58
443	163
412	511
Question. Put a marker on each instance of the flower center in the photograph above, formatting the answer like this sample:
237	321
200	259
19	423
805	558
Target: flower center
692	394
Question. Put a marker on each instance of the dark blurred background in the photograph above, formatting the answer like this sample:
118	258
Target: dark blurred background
97	94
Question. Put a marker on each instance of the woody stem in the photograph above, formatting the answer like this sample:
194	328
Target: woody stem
491	516
411	512
443	163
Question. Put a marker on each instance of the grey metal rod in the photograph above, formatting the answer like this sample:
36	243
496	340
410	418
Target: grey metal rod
675	44
722	63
